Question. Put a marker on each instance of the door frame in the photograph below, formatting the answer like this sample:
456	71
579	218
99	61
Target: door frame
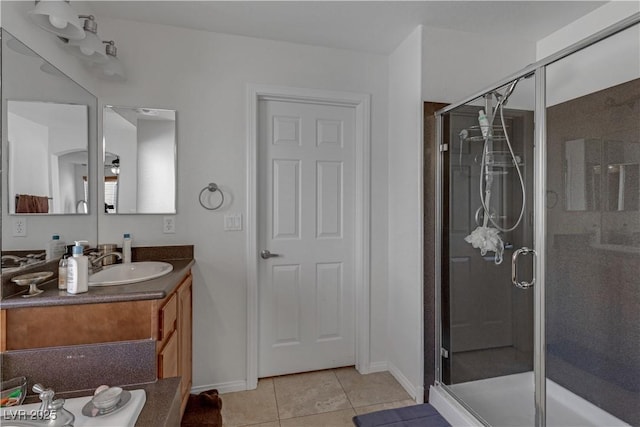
361	103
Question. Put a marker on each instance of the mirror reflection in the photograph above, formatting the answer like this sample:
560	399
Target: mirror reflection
48	157
139	160
602	175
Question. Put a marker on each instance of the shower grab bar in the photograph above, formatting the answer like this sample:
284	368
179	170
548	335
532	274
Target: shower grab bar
514	268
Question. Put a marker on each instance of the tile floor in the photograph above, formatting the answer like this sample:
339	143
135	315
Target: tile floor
328	398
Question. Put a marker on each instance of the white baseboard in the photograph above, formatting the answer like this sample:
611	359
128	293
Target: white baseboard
413	391
222	388
378	367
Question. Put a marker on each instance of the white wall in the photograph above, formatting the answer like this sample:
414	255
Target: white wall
599	19
204	77
458	64
405	214
610	62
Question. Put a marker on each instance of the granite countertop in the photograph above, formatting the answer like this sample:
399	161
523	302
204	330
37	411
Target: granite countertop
149	289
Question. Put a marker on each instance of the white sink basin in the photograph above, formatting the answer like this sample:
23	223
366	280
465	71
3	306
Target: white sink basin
122	274
123	417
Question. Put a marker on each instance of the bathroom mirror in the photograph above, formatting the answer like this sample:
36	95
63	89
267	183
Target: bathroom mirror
139	160
48	151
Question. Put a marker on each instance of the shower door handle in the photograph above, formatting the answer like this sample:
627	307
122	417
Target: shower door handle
514	268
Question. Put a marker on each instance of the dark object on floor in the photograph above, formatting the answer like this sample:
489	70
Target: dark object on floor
410	416
203	410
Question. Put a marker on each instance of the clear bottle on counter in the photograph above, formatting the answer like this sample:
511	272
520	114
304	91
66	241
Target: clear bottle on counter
62	273
126	249
55	248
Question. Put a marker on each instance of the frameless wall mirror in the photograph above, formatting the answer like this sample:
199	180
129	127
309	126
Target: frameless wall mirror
139	160
49	129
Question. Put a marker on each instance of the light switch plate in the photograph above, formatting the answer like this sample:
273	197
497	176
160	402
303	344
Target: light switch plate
233	222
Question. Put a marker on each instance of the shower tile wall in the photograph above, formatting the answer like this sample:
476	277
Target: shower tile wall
593	255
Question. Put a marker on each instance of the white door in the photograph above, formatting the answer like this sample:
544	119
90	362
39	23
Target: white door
306	218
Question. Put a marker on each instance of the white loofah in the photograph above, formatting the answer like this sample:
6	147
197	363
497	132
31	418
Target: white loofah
487	239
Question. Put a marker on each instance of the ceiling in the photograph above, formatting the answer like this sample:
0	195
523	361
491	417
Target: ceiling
371	26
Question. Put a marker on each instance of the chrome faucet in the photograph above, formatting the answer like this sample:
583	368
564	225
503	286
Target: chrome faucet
52	411
16	259
95	264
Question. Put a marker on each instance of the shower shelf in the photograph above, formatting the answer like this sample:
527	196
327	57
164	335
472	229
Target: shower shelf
475	134
480	138
499	159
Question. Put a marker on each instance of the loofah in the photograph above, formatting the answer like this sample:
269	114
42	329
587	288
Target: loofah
487	239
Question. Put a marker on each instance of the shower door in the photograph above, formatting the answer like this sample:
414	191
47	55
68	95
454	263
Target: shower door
487	323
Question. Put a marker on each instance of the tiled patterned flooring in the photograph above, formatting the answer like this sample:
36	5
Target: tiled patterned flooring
315	399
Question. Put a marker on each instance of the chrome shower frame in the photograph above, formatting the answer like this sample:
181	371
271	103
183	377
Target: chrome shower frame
538	69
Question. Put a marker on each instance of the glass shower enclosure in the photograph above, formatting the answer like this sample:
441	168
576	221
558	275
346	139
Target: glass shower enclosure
539	212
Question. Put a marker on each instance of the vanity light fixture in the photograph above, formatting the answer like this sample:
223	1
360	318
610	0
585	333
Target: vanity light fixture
57	17
90	47
112	69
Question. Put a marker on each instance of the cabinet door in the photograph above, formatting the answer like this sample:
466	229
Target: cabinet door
168	318
168	358
185	297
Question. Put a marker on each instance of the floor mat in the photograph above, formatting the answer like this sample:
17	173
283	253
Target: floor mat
423	415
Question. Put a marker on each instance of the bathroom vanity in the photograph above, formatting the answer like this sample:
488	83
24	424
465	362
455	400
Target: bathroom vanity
145	326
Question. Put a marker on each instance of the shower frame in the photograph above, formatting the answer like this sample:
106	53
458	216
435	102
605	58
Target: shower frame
538	70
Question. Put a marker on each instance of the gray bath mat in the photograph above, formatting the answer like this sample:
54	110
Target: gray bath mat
423	415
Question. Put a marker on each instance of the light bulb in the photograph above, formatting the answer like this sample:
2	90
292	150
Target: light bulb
57	22
87	50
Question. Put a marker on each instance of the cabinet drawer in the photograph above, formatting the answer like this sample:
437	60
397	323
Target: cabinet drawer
168	358
168	318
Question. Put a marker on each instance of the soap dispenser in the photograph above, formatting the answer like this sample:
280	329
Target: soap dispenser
78	270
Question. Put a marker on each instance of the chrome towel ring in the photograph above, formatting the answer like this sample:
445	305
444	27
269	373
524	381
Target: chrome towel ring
212	187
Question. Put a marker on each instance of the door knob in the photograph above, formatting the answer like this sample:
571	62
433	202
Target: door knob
265	254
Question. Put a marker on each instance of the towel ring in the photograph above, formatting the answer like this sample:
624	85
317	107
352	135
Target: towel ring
212	187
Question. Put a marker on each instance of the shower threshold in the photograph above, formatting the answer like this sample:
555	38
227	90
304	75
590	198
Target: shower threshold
508	401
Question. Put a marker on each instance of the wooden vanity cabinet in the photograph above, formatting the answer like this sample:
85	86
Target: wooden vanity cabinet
168	321
174	337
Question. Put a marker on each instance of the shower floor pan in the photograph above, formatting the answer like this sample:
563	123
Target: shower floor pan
508	401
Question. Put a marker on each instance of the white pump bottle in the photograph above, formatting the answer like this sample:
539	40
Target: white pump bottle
78	270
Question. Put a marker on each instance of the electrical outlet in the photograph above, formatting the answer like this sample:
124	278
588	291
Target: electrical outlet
19	227
169	224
